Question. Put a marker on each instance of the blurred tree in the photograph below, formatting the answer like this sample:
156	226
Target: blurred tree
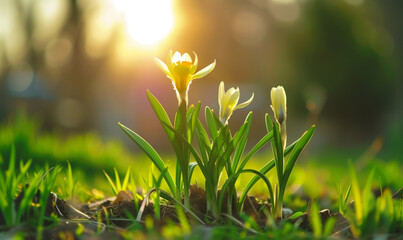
342	56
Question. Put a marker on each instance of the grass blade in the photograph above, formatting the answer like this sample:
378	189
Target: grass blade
356	194
126	179
113	186
117	180
314	219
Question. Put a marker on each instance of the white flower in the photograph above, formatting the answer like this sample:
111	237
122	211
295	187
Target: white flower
279	104
228	102
181	70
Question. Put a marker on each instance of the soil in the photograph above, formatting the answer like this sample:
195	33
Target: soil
121	212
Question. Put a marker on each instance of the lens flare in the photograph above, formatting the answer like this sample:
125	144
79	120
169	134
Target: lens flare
147	21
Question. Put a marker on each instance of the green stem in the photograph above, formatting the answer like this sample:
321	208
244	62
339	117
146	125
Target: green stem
278	203
185	153
186	186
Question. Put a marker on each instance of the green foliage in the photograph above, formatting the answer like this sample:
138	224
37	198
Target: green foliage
86	152
342	200
18	191
184	123
283	174
152	154
219	149
316	223
372	215
116	185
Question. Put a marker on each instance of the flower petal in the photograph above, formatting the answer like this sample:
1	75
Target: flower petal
221	94
246	103
194	65
204	71
232	99
186	58
163	67
177	57
169	62
279	103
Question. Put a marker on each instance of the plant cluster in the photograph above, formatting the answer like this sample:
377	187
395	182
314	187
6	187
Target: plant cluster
369	215
26	202
216	149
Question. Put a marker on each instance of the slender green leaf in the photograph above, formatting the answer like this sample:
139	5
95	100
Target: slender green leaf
256	148
117	180
193	120
301	144
203	142
296	215
329	225
211	123
231	181
114	189
24	167
218	145
347	195
314	219
356	195
367	196
29	193
217	120
152	154
190	148
269	124
277	147
241	147
267	167
231	147
192	166
70	180
161	113
126	179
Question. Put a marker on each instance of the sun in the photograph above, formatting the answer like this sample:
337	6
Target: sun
147	21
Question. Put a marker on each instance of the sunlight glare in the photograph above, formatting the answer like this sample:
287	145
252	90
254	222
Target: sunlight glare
147	21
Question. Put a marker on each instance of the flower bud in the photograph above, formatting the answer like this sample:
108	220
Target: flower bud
279	104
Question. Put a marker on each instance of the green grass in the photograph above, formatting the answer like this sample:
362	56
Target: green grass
315	177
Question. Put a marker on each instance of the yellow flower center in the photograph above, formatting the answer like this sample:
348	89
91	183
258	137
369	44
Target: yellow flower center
181	73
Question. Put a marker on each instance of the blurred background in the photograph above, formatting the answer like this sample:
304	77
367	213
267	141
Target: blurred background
83	65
